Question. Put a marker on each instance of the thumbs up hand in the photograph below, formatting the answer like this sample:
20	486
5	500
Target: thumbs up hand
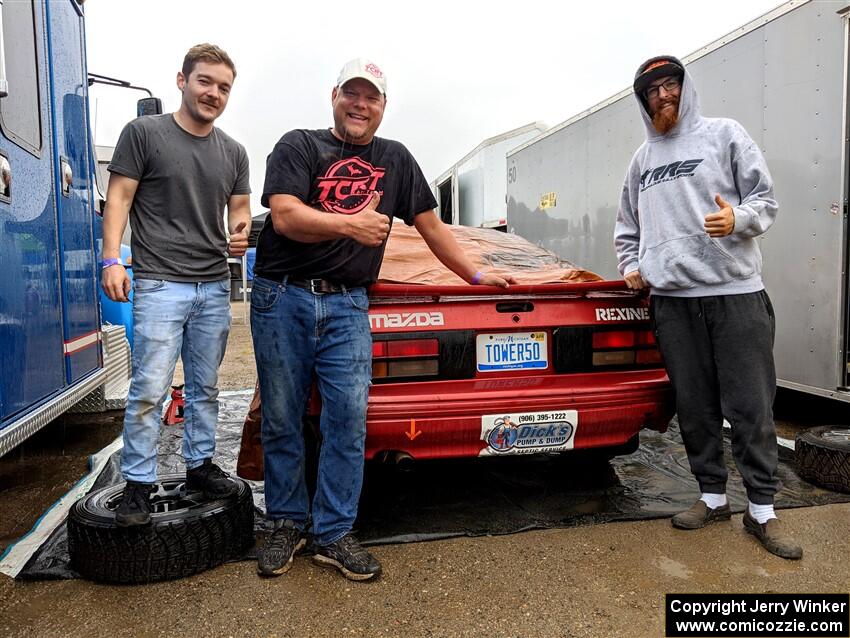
238	243
722	222
369	227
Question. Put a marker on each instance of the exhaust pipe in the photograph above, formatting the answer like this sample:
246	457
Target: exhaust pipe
401	460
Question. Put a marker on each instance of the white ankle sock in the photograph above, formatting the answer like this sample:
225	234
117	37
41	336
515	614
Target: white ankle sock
762	513
713	501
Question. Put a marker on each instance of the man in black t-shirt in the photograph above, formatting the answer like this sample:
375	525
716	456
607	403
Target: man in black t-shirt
173	175
333	195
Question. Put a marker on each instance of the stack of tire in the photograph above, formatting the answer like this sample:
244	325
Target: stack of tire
187	534
822	455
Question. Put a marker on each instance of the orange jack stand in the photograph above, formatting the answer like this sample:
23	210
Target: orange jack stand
174	413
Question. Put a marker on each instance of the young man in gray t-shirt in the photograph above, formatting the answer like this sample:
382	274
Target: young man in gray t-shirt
173	175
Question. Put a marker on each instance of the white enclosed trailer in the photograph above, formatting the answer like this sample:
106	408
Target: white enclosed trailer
784	76
472	191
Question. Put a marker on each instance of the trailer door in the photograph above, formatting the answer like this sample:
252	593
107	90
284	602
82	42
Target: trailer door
845	194
31	348
445	200
73	188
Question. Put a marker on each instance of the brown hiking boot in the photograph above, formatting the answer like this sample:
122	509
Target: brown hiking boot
773	537
700	515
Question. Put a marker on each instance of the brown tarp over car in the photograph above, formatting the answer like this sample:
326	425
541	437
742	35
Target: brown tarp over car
408	259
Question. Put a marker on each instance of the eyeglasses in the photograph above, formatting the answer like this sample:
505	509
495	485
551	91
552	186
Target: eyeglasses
669	85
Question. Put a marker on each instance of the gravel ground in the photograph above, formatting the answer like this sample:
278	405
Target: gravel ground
604	580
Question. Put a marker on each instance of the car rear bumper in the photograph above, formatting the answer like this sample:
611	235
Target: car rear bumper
442	419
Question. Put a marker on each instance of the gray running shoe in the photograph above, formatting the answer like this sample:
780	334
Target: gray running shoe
349	557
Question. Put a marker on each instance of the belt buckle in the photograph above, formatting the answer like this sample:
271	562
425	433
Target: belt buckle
315	286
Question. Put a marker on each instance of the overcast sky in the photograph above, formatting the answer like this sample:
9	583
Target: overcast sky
457	72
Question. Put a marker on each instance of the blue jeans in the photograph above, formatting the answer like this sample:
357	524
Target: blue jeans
172	319
299	335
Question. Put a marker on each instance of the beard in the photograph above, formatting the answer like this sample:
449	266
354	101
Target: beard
664	119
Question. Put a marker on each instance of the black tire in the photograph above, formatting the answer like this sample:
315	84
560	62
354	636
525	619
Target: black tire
822	455
187	534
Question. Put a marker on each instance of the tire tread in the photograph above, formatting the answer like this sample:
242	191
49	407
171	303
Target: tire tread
161	550
822	462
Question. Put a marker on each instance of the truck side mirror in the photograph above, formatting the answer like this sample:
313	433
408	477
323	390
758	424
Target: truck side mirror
149	106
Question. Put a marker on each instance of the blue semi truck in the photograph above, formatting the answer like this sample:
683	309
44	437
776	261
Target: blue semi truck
54	352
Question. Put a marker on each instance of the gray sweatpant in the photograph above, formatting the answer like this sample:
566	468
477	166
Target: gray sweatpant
719	356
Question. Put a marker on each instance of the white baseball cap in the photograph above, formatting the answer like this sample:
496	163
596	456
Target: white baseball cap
363	68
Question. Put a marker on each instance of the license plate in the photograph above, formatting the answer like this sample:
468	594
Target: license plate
511	351
528	432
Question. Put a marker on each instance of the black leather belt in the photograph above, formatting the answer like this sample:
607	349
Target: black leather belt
317	286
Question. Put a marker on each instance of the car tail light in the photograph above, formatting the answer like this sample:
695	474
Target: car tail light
413	348
614	339
405	358
644	338
614	358
588	348
625	348
648	357
412	368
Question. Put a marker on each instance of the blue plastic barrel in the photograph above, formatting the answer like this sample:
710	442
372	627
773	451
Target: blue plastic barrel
250	258
116	312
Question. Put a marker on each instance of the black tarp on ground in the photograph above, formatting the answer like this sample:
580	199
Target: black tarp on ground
474	497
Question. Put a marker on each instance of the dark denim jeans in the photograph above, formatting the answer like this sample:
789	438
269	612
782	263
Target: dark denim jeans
299	335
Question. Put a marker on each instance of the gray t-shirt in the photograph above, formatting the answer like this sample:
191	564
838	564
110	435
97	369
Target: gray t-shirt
177	217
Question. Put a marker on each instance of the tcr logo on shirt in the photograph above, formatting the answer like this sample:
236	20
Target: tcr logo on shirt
347	186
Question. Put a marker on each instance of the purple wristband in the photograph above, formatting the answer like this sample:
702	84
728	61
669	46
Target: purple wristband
106	263
476	278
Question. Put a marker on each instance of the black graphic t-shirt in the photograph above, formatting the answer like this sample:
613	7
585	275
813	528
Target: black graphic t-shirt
337	179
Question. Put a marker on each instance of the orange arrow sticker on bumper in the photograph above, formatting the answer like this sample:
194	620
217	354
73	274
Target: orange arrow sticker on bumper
413	431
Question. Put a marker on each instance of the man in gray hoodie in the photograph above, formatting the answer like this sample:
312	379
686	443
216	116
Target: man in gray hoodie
697	195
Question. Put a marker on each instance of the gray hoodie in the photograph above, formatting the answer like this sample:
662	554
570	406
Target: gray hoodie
670	188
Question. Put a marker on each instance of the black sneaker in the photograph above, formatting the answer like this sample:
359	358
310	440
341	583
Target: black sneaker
211	480
134	508
276	556
349	557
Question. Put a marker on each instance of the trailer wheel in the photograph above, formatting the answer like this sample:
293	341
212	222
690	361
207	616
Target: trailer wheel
186	535
822	455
